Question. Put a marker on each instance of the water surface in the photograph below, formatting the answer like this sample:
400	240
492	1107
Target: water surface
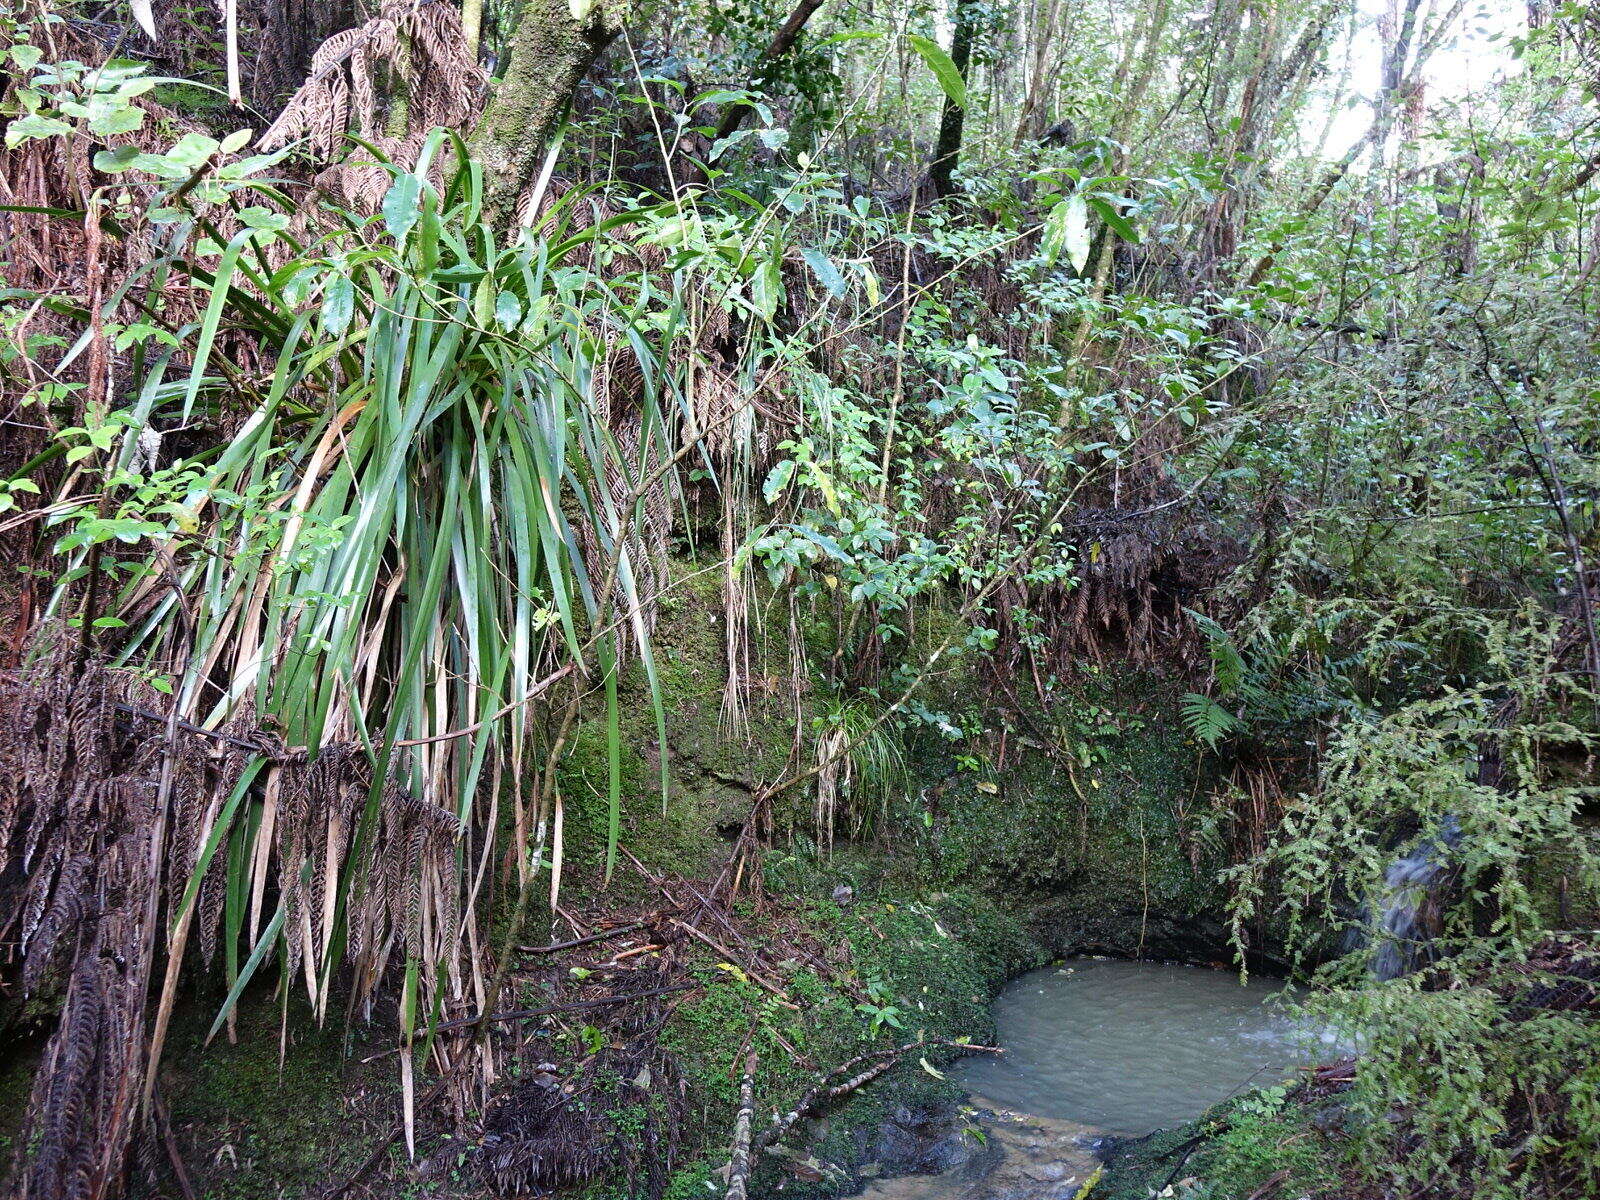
1129	1047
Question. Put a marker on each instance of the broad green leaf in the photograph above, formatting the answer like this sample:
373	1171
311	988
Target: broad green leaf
124	119
33	127
192	149
123	158
822	267
1066	231
949	79
400	205
338	305
766	288
1107	211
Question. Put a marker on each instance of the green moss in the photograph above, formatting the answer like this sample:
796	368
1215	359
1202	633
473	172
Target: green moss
251	1127
1139	1168
1234	1151
1259	1136
17	1066
209	105
1556	881
927	964
1079	820
712	772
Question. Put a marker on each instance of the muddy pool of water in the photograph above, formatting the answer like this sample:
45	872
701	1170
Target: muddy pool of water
1128	1047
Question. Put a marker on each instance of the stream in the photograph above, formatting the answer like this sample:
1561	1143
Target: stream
1096	1049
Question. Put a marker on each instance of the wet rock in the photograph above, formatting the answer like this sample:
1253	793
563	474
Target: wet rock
1330	1118
923	1140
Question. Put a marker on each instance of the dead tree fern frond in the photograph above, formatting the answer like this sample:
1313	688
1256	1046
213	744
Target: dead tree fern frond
387	82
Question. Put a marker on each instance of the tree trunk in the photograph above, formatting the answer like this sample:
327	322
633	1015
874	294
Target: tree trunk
472	25
782	42
555	44
947	151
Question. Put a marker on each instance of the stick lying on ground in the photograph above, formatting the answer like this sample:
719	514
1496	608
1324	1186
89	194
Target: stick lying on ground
872	1064
739	1164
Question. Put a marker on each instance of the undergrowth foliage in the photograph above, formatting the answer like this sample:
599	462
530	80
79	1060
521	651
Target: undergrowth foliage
1426	852
349	482
425	520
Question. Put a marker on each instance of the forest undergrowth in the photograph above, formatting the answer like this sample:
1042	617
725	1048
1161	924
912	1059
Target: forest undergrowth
389	386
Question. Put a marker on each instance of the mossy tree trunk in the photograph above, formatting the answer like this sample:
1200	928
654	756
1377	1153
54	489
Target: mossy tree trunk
555	44
952	120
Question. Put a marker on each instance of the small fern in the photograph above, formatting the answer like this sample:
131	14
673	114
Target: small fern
1206	720
1226	660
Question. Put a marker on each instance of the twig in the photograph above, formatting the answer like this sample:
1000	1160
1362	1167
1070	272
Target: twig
583	941
531	694
1270	1184
1188	1146
199	730
750	971
644	949
171	1144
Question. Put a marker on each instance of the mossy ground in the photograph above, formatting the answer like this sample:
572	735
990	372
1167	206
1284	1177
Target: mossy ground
282	1111
1259	1143
949	880
928	964
1139	1168
1030	833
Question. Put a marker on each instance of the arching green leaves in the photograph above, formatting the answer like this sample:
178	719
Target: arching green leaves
1108	212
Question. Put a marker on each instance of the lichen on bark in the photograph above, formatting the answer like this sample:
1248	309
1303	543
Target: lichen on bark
555	44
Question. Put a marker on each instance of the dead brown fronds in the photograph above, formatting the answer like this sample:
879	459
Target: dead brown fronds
386	82
110	816
614	1113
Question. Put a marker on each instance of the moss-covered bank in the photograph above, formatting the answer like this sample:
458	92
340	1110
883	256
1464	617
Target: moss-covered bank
1019	833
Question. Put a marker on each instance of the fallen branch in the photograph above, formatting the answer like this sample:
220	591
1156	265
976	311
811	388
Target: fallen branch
583	941
824	1093
739	1163
164	1122
730	956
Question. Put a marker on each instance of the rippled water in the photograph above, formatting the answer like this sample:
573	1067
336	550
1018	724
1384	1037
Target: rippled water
1130	1047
